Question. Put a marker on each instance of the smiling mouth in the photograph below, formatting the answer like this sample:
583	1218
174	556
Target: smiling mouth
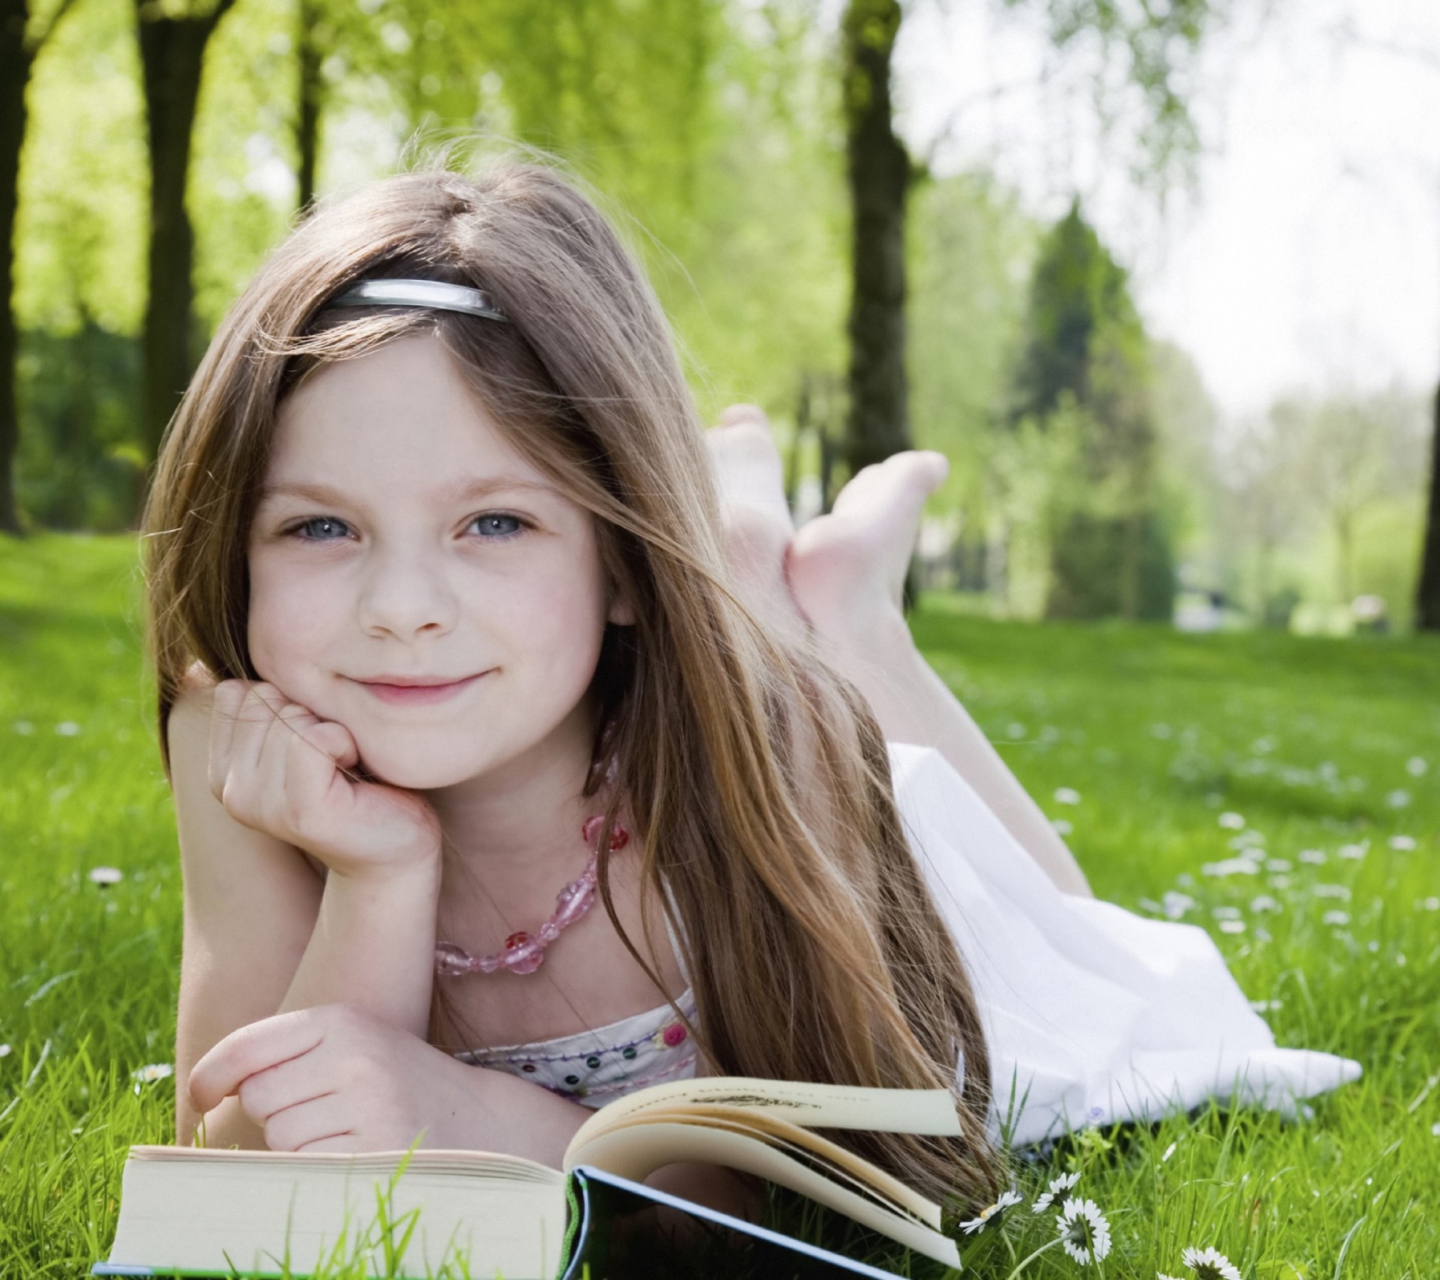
417	691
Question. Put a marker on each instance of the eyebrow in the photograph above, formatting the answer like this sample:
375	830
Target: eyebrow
465	491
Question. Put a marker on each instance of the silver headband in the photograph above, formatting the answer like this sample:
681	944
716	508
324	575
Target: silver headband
420	293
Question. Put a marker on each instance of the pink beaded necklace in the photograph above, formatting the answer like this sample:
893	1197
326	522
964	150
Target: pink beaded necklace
525	952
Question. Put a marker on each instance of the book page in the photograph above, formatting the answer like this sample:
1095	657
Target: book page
816	1106
769	1128
204	1210
636	1151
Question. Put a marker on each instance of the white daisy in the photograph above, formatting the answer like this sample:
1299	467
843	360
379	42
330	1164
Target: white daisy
1066	795
990	1215
1084	1231
1232	821
105	876
1210	1264
153	1072
1057	1194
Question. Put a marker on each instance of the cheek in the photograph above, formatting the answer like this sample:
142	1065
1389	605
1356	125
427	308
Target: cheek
552	636
287	630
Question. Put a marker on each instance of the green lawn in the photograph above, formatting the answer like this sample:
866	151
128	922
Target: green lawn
1328	750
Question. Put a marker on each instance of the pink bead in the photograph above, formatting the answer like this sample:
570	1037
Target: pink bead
523	953
590	832
451	961
574	901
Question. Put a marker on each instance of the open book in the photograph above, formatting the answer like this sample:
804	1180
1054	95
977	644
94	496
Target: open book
211	1212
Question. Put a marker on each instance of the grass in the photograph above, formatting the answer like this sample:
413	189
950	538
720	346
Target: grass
1313	742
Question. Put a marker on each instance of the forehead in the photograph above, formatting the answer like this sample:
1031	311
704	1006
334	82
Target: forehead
398	417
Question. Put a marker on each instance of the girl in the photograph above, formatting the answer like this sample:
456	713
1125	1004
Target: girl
451	640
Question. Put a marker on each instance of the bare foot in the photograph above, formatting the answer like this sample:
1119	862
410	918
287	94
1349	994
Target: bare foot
846	570
757	524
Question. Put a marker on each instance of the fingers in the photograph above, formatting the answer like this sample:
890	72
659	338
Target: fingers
324	1118
250	1050
262	746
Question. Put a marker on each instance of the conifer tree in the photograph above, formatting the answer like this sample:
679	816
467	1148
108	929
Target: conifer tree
1084	368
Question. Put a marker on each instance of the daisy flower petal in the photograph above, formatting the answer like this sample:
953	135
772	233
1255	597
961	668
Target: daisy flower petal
990	1215
1210	1264
1056	1194
1084	1233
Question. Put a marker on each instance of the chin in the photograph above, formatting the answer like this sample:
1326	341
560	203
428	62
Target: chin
418	766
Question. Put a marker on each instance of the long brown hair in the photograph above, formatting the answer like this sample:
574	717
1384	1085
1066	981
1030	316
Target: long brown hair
756	779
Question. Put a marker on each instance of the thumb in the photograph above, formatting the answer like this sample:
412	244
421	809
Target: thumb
335	740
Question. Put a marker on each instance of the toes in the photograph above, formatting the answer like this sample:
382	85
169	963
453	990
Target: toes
747	464
739	413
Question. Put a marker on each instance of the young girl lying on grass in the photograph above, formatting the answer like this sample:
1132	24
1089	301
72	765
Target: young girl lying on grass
459	626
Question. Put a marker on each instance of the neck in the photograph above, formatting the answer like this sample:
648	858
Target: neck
519	824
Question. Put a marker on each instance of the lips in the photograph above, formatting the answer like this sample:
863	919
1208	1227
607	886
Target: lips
417	691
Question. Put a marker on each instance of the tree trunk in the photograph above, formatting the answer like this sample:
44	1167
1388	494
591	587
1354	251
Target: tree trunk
307	115
172	59
1427	594
15	61
878	170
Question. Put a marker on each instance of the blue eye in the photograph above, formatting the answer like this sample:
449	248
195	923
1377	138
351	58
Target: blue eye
497	525
322	529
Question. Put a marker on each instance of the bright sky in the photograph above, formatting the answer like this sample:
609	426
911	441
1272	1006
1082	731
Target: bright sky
1310	253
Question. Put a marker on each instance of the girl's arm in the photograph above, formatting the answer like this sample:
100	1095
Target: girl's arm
265	934
251	903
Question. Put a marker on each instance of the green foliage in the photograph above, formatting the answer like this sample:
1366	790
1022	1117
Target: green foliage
1153	48
1083	335
1323	501
971	250
1310	740
78	466
1084	364
80	238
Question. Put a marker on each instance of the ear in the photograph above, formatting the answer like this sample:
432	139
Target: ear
621	611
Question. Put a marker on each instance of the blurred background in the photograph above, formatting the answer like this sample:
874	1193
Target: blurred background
1161	277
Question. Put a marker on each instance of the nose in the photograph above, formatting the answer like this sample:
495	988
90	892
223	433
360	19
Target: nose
406	594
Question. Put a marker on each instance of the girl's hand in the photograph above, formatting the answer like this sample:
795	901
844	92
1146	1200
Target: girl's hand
280	769
334	1079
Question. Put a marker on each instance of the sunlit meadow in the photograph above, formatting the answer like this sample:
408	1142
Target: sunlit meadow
1281	793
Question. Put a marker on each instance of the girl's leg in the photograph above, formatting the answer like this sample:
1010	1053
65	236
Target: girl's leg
844	573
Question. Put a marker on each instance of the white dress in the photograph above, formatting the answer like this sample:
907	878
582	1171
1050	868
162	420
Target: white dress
1091	1014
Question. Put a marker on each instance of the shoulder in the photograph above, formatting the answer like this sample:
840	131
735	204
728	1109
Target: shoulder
189	720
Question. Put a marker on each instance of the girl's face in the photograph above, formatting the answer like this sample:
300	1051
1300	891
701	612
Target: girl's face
413	578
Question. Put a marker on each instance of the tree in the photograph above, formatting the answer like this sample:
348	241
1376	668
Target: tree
1427	589
22	35
878	169
309	55
1154	42
172	60
1084	367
